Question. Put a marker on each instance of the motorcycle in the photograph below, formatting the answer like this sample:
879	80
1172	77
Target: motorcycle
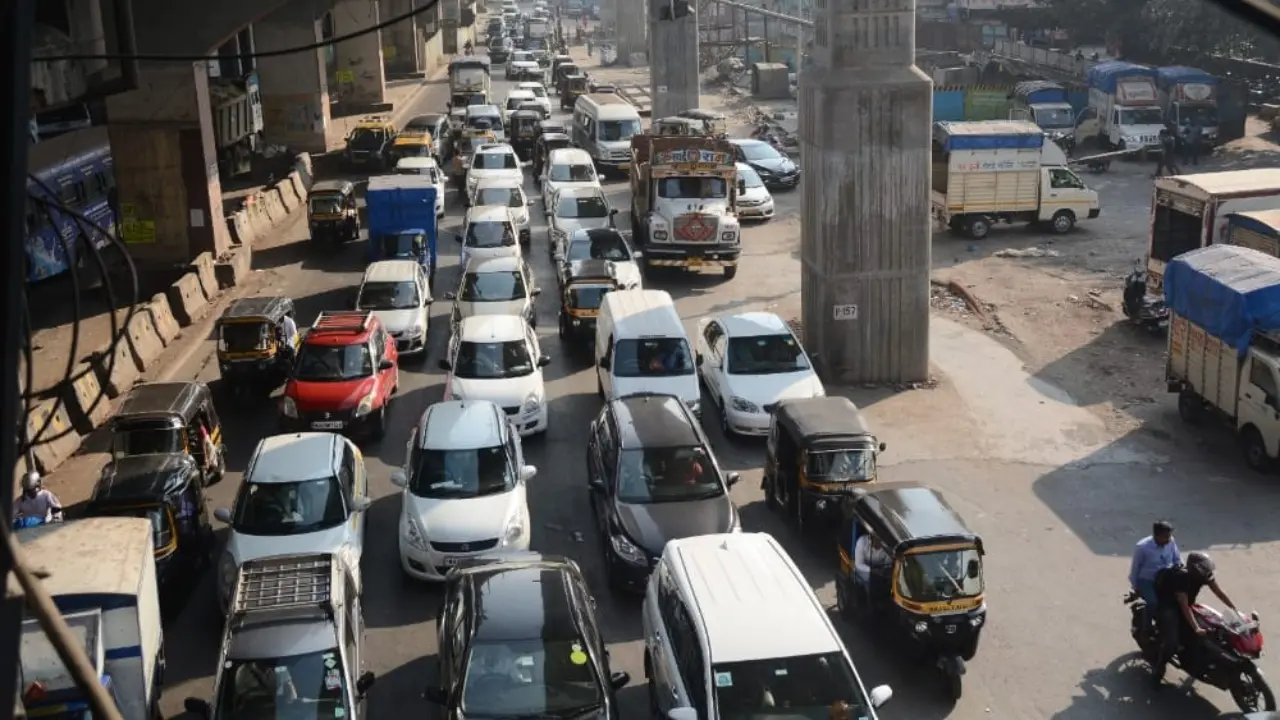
1238	642
1143	310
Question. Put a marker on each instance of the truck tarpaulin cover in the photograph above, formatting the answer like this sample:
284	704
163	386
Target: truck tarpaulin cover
1105	75
1035	92
1181	75
988	135
1229	291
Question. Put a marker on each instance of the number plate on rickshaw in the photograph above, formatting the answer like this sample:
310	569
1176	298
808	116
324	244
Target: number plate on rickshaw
624	166
327	425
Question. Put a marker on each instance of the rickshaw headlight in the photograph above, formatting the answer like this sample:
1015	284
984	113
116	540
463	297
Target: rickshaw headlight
627	550
366	404
976	621
288	407
921	628
743	405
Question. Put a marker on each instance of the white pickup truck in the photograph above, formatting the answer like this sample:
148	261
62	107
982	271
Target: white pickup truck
1004	171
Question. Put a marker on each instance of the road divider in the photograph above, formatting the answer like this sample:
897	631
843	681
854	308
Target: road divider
167	327
87	403
234	267
143	340
187	300
117	372
52	435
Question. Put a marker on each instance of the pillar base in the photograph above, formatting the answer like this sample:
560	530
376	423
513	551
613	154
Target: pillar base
296	120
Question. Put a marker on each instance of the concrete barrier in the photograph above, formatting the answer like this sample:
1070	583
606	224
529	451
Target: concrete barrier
296	179
235	267
59	439
272	205
87	403
187	300
288	195
241	231
202	266
143	339
259	221
167	327
305	168
115	367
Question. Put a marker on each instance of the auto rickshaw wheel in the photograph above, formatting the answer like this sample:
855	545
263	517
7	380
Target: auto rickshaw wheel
955	685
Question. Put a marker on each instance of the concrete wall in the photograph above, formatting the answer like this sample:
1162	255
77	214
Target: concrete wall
402	53
361	77
673	62
294	88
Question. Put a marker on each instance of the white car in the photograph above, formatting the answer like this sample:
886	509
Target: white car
497	358
493	162
502	286
301	493
517	56
515	99
465	489
489	232
430	168
601	244
577	208
754	200
567	167
399	293
507	193
749	363
539	94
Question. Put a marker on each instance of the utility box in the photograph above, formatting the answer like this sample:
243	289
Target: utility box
770	81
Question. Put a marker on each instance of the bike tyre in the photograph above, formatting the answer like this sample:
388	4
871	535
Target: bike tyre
1265	695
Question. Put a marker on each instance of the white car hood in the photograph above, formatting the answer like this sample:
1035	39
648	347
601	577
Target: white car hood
253	547
765	389
464	520
506	392
397	321
571	225
468	309
759	193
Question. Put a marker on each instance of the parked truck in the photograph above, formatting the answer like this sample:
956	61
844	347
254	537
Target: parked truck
402	219
1124	109
682	199
1224	343
993	171
1189	96
237	123
1045	104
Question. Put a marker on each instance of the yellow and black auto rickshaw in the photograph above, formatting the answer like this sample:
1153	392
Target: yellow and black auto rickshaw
571	86
170	417
254	355
469	141
920	577
585	284
369	143
416	143
523	128
332	214
820	449
714	124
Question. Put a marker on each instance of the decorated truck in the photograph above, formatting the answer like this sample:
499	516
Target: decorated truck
1189	96
1124	110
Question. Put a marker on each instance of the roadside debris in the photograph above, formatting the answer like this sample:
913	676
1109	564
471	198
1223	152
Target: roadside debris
1031	252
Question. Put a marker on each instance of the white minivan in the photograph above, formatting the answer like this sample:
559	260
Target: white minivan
641	347
603	125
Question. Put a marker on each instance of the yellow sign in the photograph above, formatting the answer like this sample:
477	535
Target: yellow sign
138	232
128	211
389	52
346	77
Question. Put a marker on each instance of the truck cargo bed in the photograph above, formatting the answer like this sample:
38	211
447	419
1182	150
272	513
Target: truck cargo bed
1207	364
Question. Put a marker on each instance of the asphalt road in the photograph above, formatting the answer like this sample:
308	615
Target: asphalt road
1058	537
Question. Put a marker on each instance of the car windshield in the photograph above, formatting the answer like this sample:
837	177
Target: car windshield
430	172
454	474
530	678
502	196
289	508
493	360
656	475
366	139
808	686
765	354
582	207
322	363
567	172
587	297
1051	118
1142	116
749	177
939	576
503	286
853	465
326	205
515	102
538	92
297	687
652	357
389	296
158	440
618	130
601	247
490	234
759	151
495	161
702	188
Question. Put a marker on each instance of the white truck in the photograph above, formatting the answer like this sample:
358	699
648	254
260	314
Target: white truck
1224	343
1124	110
102	573
1004	171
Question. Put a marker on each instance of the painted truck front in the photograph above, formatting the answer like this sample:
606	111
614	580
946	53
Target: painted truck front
1125	107
1045	104
1189	96
402	219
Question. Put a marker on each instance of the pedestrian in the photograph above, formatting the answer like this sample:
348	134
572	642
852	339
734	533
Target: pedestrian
1195	142
1167	160
588	47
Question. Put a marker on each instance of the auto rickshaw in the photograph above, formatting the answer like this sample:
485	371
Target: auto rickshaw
332	213
714	124
170	417
676	127
523	131
253	354
563	71
924	581
556	62
416	143
585	285
571	86
819	451
462	152
167	490
369	143
542	148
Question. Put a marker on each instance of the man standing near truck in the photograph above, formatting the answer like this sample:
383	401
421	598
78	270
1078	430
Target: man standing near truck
1195	142
1167	161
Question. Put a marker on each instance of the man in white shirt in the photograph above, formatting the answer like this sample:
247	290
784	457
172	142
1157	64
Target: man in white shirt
868	553
290	329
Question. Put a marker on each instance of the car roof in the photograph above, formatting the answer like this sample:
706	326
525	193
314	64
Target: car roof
461	425
416	162
294	457
533	602
753	324
344	331
391	271
489	213
642	313
572	156
747	142
531	84
651	420
518	93
502	263
492	328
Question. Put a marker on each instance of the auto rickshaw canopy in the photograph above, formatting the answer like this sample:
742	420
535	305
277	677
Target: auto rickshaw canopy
173	403
575	82
267	309
822	422
713	123
138	480
906	516
329	197
526	120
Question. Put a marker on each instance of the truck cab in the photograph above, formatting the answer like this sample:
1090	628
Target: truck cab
1189	96
1045	104
1124	110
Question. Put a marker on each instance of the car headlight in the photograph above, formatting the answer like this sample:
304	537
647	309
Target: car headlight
743	405
764	173
366	404
227	571
514	531
415	331
627	550
288	407
695	406
414	534
532	402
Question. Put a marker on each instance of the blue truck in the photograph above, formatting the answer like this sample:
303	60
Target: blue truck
401	213
1189	95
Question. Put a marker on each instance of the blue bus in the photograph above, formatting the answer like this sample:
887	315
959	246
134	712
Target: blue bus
77	168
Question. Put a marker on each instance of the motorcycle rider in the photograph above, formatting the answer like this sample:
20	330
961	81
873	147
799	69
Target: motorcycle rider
35	501
1176	591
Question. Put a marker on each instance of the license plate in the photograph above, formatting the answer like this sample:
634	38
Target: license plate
694	262
327	425
450	562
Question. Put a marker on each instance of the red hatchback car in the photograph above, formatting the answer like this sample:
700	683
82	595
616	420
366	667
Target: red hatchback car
344	377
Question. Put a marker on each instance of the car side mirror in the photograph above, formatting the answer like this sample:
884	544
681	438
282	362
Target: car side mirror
544	360
732	479
619	680
535	292
973	570
451	296
595	484
883	446
197	707
360	504
529	203
527	473
880	695
399	479
457	237
604	363
636	255
446	365
436	696
386	365
222	515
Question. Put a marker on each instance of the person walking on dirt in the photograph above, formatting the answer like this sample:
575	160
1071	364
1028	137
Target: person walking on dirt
1167	160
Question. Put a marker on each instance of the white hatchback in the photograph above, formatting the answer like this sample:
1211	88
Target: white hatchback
507	193
577	208
489	232
430	168
567	167
497	358
399	294
502	286
515	99
493	162
539	95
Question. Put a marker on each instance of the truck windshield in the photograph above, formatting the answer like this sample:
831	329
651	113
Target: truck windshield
1051	118
289	508
1203	116
702	188
652	357
1141	116
618	130
301	687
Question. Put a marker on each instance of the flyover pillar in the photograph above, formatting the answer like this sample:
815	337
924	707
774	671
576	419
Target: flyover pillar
362	80
87	32
294	88
633	25
452	40
402	52
673	59
865	149
166	167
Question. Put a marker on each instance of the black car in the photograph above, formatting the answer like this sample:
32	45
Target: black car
518	638
775	169
653	478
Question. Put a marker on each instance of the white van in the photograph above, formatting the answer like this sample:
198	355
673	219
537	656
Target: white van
603	125
641	346
705	656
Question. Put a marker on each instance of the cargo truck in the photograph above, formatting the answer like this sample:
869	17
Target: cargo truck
469	82
237	123
1004	171
1189	95
1224	344
1259	230
1045	104
1124	110
402	219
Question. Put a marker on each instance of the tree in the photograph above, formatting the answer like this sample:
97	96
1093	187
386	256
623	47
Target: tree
1148	29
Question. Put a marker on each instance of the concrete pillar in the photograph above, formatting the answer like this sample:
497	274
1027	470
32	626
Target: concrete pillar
865	150
673	60
88	32
294	88
401	49
362	80
450	26
633	29
166	168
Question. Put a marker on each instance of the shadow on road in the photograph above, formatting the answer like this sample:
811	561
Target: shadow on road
1123	689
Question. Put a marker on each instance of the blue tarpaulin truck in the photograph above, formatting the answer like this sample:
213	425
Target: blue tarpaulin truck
1045	104
401	212
1224	343
1189	95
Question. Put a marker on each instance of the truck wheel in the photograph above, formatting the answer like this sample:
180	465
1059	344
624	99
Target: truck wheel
730	272
1063	221
1190	407
977	228
1255	451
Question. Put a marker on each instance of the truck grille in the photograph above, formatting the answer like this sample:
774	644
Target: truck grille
696	227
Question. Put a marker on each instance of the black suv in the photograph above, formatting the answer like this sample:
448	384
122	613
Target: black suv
519	639
653	478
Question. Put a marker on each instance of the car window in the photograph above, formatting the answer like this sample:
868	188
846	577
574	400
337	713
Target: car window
328	363
749	177
289	508
454	474
536	677
501	196
347	472
493	360
602	246
591	206
567	172
689	659
277	687
807	685
652	357
496	161
490	234
658	475
402	295
758	151
493	286
765	355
